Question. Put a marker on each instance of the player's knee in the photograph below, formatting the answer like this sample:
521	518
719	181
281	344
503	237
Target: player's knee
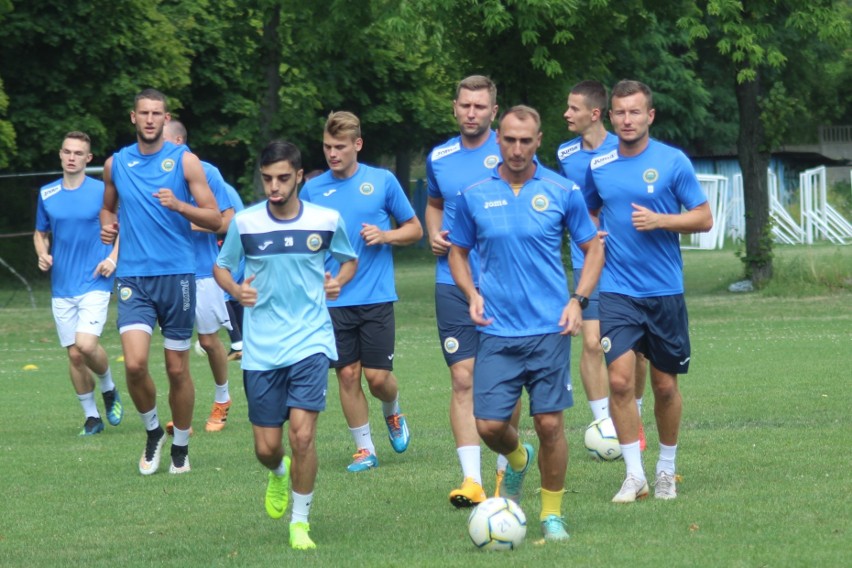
592	343
620	384
549	427
209	341
665	389
301	440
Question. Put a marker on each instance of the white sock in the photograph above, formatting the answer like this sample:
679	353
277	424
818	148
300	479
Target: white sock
301	507
106	381
391	408
470	458
600	408
237	346
222	393
150	419
633	460
87	401
667	459
281	469
363	439
181	437
502	462
639	405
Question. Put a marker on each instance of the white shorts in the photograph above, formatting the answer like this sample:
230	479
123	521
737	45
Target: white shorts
210	310
80	314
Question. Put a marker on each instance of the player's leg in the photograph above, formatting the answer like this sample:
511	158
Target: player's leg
592	366
550	393
211	314
641	378
94	307
235	334
459	340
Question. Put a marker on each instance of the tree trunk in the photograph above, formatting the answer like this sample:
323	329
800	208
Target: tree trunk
271	60
754	162
403	170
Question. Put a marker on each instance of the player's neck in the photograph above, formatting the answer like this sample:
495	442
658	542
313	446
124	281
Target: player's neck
516	179
148	148
594	137
73	180
346	174
286	212
474	142
633	147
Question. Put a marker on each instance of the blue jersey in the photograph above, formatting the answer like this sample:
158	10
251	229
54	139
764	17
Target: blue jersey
237	204
72	216
450	168
574	163
519	237
290	320
206	244
155	241
372	196
647	263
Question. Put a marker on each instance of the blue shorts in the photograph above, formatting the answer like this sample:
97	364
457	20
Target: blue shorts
657	327
592	311
365	334
505	365
458	334
271	394
168	300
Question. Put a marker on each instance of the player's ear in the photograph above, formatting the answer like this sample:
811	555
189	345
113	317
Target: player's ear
300	175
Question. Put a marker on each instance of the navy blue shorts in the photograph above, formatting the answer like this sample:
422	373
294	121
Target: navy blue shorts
365	334
505	365
168	300
592	311
271	394
657	327
458	334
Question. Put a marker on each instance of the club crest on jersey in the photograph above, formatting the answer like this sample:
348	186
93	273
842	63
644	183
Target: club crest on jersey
451	345
124	293
314	242
650	176
606	344
540	202
367	188
491	161
167	165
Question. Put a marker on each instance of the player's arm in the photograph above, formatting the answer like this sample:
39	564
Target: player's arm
108	216
205	213
460	270
572	315
41	241
109	264
696	220
406	233
434	221
227	215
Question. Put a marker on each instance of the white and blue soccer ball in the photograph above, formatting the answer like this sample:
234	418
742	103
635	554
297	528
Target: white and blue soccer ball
601	440
497	524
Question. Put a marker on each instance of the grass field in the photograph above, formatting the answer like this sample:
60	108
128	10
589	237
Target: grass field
763	452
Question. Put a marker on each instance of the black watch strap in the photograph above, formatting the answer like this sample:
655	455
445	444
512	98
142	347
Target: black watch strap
584	301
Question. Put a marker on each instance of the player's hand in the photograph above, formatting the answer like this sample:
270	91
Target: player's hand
440	244
109	233
331	286
477	311
248	295
105	268
372	235
602	236
45	261
572	318
168	200
644	219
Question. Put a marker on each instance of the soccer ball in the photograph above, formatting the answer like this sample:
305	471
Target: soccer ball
602	441
199	350
497	524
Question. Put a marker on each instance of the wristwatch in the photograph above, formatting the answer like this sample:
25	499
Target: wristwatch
584	301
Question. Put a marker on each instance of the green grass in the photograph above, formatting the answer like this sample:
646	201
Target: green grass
763	453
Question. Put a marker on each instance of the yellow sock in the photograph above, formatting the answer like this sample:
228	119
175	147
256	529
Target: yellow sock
551	503
518	458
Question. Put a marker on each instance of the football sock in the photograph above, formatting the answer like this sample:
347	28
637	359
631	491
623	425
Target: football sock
222	394
518	458
106	381
281	469
470	457
667	459
639	405
502	462
363	439
87	401
150	419
391	408
181	437
301	507
633	459
237	346
600	408
551	503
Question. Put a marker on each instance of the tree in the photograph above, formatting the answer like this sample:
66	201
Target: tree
764	44
7	131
